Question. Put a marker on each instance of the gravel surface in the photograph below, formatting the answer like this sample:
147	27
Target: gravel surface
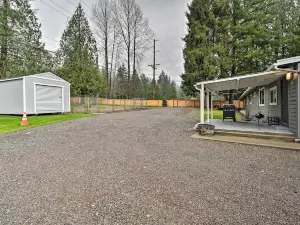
143	167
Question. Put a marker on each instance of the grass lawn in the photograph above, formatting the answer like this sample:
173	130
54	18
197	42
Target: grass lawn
10	124
218	115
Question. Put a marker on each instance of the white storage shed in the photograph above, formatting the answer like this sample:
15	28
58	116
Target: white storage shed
35	94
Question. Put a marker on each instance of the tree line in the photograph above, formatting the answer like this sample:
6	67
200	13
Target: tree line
143	87
99	55
235	37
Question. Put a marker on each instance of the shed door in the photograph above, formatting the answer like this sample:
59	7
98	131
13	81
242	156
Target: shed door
48	99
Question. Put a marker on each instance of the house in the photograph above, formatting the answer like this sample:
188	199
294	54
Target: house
35	94
275	93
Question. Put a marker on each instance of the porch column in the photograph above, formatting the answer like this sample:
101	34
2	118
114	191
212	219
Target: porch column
202	102
298	105
212	106
207	105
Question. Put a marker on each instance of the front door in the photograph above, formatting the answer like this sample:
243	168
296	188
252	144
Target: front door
284	102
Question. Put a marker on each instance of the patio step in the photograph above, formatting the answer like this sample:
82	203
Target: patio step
283	137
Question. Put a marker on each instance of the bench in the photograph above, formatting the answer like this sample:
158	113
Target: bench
273	120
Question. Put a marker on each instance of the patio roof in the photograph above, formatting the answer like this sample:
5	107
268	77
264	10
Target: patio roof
240	82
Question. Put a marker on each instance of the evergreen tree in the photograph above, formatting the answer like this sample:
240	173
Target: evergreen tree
120	83
146	88
135	85
22	51
197	53
78	57
235	37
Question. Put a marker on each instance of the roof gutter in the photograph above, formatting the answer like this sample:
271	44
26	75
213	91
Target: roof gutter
287	70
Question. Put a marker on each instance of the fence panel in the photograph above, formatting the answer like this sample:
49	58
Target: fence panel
99	105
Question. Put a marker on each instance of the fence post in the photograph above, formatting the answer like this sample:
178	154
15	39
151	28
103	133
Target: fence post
89	110
113	105
185	103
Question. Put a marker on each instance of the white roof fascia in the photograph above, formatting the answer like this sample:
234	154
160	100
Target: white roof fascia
16	78
288	61
237	77
46	78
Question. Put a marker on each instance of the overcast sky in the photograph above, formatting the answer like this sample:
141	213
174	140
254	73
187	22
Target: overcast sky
166	17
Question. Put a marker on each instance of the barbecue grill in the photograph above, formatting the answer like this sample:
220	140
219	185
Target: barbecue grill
229	112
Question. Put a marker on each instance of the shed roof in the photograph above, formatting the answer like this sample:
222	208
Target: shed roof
47	75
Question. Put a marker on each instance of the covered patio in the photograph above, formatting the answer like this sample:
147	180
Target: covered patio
250	126
232	83
246	82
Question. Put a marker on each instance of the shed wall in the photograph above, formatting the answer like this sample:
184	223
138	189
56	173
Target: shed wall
11	97
30	81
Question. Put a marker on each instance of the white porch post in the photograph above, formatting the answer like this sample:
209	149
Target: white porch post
207	105
202	101
212	106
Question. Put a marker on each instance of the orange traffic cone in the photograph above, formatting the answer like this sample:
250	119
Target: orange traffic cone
24	120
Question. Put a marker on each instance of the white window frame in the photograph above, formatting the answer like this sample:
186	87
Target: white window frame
264	96
272	89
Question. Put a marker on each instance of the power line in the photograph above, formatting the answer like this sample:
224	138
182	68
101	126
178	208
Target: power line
71	3
60	7
50	38
55	9
86	4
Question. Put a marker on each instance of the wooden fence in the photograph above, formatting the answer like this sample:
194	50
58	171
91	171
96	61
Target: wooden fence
151	103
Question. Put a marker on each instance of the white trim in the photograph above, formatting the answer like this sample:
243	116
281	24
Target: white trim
263	88
34	98
49	85
202	102
239	77
212	107
46	78
24	95
70	105
63	99
272	89
10	79
286	61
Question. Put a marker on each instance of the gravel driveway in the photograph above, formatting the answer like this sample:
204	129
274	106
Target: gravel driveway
143	167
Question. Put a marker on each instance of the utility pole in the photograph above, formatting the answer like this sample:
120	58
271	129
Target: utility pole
154	67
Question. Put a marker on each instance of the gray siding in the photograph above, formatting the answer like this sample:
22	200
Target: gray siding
267	109
11	97
30	92
293	120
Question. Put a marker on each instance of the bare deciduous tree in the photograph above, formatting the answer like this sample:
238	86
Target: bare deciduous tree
103	19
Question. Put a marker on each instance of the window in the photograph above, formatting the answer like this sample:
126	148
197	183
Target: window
273	96
262	97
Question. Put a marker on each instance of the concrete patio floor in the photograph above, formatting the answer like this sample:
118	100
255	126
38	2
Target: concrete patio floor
246	126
